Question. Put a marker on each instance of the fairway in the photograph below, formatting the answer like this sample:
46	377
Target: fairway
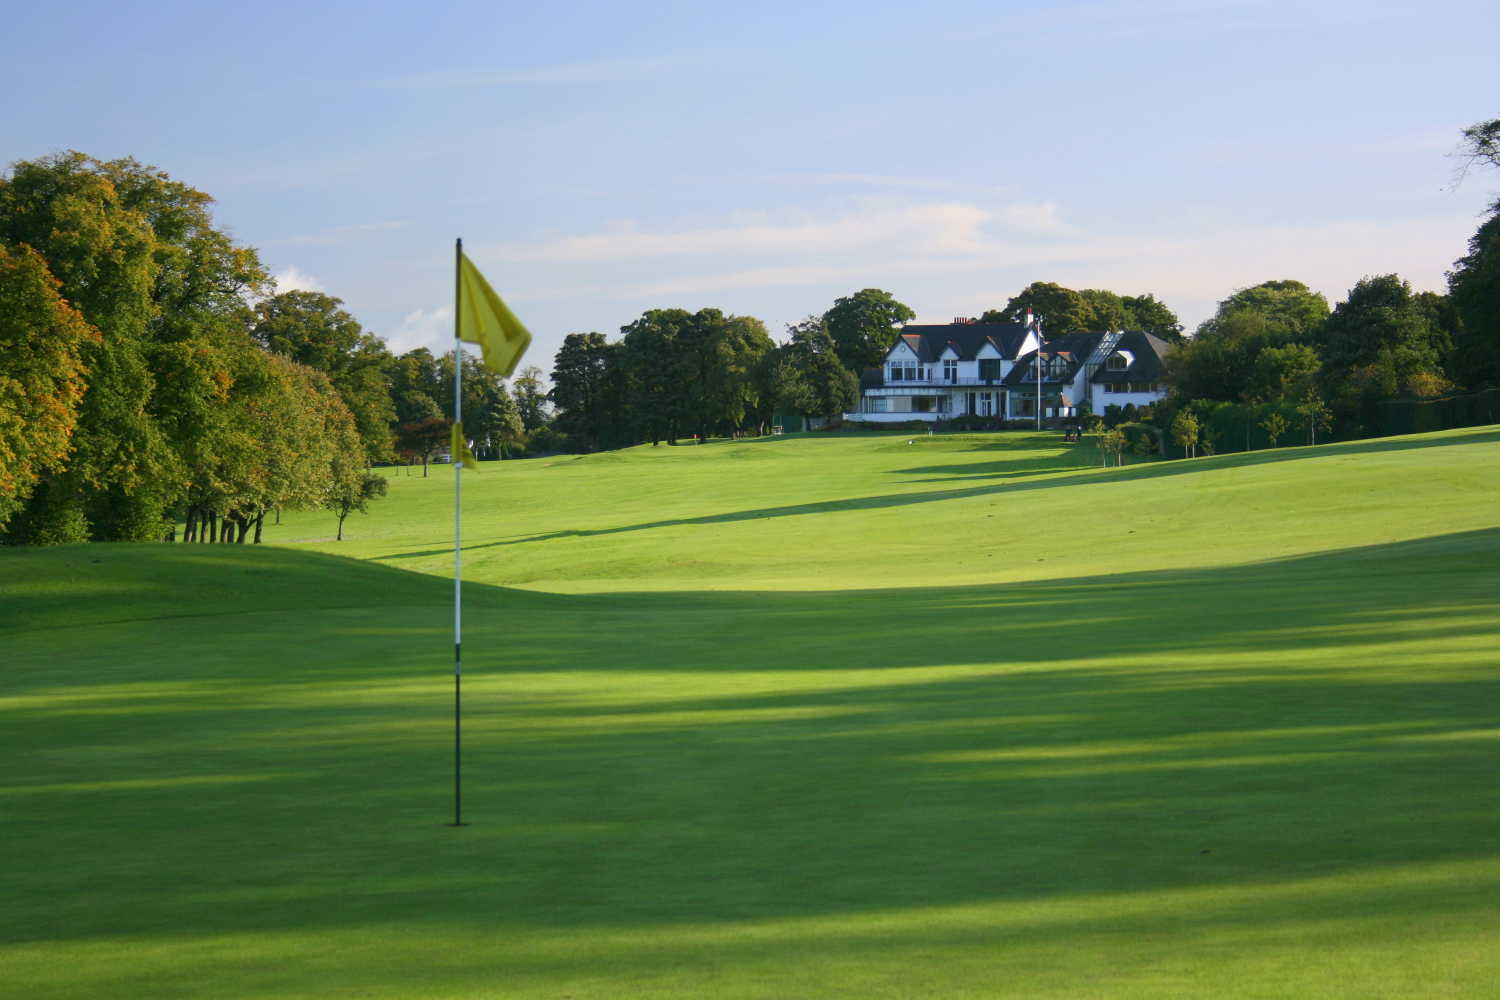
831	716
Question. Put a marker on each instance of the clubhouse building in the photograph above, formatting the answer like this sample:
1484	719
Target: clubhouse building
963	368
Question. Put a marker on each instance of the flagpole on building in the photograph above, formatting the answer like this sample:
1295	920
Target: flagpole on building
1039	375
458	485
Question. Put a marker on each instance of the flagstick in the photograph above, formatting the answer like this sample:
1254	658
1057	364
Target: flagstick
458	506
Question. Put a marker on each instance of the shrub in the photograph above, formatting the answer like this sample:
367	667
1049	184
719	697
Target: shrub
548	440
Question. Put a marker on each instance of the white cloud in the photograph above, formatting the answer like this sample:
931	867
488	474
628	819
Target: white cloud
290	279
1036	218
933	227
429	328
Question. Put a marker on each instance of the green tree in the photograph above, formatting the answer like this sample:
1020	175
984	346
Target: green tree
43	341
1186	432
138	254
659	369
864	326
1480	145
490	416
421	439
1145	312
1112	444
583	375
1282	373
809	379
1379	343
352	495
721	354
1292	311
1274	424
1107	309
1474	288
1062	310
1315	415
531	398
315	330
1221	361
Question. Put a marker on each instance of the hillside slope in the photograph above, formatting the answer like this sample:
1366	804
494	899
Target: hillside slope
792	720
896	511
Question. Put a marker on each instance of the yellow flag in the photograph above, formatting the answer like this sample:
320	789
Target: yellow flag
485	320
461	452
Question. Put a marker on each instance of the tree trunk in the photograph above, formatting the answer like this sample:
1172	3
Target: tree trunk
190	529
210	529
244	521
340	537
260	520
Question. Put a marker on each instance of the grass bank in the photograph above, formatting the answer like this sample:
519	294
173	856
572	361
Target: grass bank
964	716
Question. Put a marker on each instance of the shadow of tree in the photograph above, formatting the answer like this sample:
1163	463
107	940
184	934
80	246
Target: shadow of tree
698	759
996	476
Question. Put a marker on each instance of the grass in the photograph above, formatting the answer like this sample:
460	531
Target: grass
833	717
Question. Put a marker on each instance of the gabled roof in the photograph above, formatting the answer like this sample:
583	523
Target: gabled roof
1074	348
967	339
1147	350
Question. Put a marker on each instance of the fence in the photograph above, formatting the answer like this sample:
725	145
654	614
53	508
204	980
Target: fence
1413	416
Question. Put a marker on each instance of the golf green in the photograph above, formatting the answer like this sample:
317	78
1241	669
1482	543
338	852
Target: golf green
829	716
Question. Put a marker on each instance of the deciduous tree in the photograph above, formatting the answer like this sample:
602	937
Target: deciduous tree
315	330
863	326
531	398
42	376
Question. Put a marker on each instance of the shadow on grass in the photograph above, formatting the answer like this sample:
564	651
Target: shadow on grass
695	760
991	472
1087	454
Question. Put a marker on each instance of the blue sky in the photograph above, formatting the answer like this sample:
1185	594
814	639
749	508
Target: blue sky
600	159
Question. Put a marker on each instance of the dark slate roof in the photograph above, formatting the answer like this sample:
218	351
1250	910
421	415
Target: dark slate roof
931	340
1147	350
1074	348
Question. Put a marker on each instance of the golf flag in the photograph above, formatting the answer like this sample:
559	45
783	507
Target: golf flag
461	452
485	320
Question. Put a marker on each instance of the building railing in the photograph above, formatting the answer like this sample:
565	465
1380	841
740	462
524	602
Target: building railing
939	382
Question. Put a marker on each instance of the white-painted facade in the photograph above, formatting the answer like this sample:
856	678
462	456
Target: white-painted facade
948	386
920	382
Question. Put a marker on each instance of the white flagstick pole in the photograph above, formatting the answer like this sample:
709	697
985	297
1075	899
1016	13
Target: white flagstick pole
458	485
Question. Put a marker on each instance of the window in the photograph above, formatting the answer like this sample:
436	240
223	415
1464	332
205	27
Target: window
877	404
906	370
1116	363
989	369
950	371
921	404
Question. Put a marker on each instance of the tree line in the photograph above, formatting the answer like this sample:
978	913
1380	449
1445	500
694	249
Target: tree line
151	377
1275	361
674	374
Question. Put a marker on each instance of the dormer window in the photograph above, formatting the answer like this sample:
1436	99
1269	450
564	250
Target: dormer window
950	371
905	370
1116	363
